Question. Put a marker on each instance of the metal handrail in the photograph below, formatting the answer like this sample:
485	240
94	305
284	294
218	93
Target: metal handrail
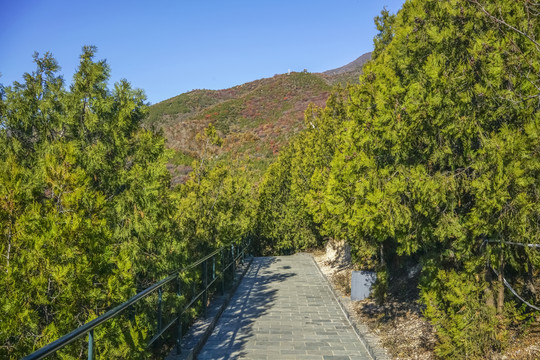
88	328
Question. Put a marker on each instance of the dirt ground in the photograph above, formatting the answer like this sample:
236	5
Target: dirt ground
402	330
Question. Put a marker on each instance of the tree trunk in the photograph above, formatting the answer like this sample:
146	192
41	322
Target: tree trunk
488	291
530	279
381	254
500	295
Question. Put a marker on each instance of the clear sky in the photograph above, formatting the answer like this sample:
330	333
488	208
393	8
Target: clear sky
169	47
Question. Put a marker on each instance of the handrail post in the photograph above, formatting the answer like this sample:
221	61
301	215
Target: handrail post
222	271
233	263
194	287
179	330
243	252
91	345
213	268
205	291
160	298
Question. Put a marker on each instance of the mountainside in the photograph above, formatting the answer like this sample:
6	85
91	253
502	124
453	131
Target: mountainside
254	119
348	73
352	66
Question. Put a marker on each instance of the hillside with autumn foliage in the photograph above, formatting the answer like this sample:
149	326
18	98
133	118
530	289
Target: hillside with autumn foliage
254	119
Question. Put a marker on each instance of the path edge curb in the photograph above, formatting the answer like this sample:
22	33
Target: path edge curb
370	341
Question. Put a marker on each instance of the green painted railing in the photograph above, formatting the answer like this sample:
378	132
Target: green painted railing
225	257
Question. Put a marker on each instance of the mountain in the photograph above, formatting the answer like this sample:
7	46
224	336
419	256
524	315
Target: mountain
255	119
348	73
350	67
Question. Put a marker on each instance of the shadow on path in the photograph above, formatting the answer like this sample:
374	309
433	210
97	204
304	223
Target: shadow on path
284	308
253	298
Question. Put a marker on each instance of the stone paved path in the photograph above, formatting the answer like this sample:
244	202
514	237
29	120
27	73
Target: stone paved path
283	309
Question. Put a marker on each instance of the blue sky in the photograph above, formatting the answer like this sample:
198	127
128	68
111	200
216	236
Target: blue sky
170	47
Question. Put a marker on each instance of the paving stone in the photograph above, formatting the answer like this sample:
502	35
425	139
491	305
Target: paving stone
283	308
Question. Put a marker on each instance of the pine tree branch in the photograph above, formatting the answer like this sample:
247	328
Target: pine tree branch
502	22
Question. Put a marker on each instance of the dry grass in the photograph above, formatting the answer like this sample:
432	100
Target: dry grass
341	280
523	347
404	332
